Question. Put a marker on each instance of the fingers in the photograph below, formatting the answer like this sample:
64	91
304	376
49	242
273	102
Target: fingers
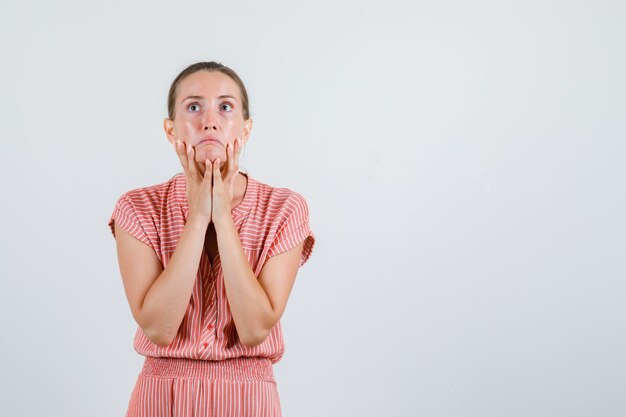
180	151
191	161
230	163
208	174
239	149
187	157
232	153
217	175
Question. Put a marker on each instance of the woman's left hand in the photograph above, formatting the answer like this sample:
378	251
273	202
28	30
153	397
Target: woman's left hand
224	186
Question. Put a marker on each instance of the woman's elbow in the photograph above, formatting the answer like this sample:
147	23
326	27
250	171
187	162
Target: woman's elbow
254	340
158	338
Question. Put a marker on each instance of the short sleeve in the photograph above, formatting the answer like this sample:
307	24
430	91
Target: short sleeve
293	228
125	216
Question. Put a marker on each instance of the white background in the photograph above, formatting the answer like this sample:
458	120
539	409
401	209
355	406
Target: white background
464	165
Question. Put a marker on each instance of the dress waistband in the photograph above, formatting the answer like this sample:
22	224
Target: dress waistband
238	369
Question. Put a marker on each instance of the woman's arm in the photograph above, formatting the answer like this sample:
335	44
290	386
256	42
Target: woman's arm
159	297
256	305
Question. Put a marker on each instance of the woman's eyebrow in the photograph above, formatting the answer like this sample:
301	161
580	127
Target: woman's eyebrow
202	98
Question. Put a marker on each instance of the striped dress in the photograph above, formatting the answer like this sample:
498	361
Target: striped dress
206	371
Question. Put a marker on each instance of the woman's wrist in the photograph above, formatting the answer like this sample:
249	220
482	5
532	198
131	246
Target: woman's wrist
223	222
198	222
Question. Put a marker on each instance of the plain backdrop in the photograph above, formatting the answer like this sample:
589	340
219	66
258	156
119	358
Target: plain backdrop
464	166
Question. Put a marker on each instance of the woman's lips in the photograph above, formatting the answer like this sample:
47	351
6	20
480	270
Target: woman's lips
209	141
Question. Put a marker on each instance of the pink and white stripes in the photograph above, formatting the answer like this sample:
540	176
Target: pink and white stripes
179	387
206	371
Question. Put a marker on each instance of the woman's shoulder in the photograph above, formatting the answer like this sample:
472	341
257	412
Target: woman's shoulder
275	193
154	192
278	198
143	210
151	199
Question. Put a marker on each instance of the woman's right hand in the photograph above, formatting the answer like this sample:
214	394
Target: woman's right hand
199	188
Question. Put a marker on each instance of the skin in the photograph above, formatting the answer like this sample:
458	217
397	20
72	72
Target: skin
159	297
221	118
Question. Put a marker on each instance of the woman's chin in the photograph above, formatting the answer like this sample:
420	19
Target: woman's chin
211	154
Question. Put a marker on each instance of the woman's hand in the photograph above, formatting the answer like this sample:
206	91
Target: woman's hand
224	188
198	185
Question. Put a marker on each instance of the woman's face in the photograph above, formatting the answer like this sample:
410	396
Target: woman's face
208	106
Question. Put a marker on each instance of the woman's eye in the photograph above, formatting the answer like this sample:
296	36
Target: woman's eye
192	105
227	104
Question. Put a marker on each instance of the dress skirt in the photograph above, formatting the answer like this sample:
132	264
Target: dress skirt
181	387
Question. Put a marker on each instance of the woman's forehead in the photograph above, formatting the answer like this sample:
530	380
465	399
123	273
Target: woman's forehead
208	84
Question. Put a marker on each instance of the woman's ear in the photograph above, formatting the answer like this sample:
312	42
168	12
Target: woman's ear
168	126
247	127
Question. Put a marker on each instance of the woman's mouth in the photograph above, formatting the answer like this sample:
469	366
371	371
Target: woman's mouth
209	141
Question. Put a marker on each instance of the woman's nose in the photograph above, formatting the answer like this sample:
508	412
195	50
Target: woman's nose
208	122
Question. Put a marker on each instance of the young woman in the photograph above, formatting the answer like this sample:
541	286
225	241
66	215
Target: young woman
208	260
